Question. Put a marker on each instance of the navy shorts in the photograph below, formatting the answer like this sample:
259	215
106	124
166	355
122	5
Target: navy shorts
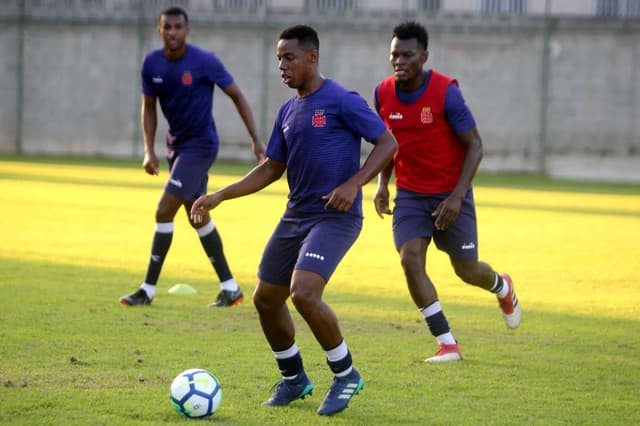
314	243
189	174
412	219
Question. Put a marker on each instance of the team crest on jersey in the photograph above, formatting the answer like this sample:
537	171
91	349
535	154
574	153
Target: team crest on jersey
426	117
319	119
187	79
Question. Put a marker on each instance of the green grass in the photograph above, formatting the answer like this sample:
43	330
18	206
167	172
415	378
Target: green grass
76	235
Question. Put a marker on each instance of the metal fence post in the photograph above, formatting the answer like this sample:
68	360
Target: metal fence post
544	90
20	80
264	91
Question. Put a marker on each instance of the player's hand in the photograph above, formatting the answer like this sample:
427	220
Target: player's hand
447	212
342	197
381	202
258	151
151	164
200	208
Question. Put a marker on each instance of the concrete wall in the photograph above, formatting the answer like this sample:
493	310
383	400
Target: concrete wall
579	107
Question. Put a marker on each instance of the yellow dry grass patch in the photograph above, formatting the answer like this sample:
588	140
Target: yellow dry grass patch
566	251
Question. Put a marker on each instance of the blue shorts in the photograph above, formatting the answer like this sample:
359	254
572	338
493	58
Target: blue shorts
189	174
314	243
412	219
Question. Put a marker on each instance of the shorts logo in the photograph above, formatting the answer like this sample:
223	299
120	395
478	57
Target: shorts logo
175	182
187	79
314	255
319	119
426	117
157	80
468	246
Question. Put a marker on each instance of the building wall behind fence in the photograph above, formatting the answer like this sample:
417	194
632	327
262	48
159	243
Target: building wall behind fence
557	96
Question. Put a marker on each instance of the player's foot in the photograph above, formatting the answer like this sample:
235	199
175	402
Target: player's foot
228	298
340	393
138	297
511	310
446	353
287	391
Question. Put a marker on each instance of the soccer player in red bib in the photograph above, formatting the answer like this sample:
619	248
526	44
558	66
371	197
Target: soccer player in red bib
316	138
182	77
439	150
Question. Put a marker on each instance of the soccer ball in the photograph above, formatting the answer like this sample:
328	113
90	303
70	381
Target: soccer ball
196	393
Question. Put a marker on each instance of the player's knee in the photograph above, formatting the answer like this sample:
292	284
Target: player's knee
303	299
466	271
164	214
260	302
411	259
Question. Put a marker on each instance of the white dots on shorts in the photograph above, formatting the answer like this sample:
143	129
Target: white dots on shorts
314	255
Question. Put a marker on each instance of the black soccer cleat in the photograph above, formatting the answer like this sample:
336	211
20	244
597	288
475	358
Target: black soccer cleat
228	298
138	297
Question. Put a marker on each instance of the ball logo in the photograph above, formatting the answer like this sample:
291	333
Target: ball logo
187	79
426	117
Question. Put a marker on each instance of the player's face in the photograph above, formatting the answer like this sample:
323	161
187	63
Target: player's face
295	63
407	60
173	30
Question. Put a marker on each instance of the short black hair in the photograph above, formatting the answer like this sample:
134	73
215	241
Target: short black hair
412	29
175	11
306	36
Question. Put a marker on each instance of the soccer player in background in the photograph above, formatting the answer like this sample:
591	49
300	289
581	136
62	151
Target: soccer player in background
439	150
316	138
182	77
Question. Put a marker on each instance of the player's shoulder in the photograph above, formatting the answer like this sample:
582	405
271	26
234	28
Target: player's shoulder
335	88
200	54
154	56
332	90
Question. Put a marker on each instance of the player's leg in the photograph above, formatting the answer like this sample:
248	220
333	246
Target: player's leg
278	328
412	230
460	241
481	274
325	245
425	297
230	293
162	237
191	171
269	298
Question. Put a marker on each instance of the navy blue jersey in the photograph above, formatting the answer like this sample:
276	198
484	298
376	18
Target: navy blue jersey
456	110
185	88
319	137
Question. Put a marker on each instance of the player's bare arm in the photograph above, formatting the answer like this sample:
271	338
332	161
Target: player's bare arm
261	176
447	212
149	119
381	199
341	198
236	95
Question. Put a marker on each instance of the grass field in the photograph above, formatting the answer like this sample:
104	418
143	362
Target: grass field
76	236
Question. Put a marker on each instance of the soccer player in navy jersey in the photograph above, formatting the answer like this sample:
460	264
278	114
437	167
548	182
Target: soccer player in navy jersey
439	150
182	78
316	138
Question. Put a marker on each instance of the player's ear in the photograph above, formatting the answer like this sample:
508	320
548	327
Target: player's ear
312	55
426	56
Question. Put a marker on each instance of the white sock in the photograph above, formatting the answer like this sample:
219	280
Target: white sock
149	289
505	288
287	353
432	309
206	229
446	339
229	285
337	353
